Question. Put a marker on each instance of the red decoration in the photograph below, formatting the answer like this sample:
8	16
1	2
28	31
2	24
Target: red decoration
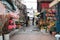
10	27
45	5
10	21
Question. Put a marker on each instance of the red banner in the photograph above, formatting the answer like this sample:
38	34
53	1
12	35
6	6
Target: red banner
45	5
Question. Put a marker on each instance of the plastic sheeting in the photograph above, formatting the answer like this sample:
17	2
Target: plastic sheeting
9	3
4	10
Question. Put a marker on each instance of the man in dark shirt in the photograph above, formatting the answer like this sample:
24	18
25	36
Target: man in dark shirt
27	20
33	21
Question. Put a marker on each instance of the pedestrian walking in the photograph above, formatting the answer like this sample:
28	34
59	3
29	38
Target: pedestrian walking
27	21
33	21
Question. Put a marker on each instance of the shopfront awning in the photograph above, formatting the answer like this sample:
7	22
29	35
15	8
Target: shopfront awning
54	3
58	0
14	15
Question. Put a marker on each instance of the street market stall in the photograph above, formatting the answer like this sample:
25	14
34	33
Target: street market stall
5	16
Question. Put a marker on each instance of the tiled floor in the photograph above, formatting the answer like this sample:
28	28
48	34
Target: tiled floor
32	37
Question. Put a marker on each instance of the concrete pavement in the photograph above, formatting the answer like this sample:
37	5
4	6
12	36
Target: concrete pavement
29	34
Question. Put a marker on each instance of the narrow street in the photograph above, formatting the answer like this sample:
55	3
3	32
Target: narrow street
31	33
29	19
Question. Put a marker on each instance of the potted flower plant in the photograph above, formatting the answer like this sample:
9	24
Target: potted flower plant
6	31
18	24
53	30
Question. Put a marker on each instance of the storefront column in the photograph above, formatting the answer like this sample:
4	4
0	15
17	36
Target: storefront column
58	18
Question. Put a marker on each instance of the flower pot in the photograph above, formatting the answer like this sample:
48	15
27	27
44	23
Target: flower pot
19	26
6	36
53	33
1	38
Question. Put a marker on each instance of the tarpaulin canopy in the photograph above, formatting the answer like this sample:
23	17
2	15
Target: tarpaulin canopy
10	3
14	15
53	3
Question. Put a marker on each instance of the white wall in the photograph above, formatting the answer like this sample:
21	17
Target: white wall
30	3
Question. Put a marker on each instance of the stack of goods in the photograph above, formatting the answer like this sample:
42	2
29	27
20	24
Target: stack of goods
6	23
51	18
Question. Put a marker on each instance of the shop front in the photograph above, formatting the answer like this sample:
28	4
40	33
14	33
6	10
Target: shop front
57	4
47	16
